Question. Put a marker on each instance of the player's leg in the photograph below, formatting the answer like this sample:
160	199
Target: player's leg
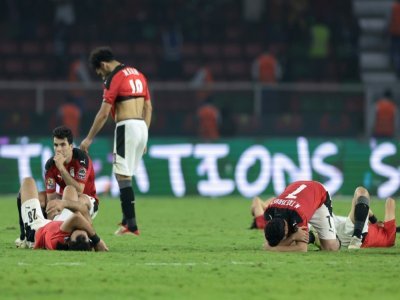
359	216
390	222
69	194
19	241
31	210
22	242
324	224
390	209
127	197
130	135
28	190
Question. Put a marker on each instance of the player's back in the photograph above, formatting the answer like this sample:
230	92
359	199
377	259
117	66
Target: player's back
126	90
304	196
48	236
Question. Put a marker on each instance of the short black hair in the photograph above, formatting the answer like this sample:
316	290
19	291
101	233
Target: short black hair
100	54
62	132
80	244
274	231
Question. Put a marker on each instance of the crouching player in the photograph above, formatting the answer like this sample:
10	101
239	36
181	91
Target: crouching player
75	233
288	215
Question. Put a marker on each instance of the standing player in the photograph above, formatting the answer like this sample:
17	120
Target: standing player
74	233
288	215
69	166
126	95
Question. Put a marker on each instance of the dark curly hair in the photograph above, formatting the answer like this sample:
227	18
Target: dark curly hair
80	244
100	54
274	231
63	132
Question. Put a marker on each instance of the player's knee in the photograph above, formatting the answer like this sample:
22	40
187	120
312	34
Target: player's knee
70	192
28	181
330	245
361	191
390	202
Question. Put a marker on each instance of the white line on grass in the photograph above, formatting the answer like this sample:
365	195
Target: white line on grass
150	264
21	263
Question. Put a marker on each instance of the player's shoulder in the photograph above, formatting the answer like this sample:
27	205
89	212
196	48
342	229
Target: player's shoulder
117	72
49	163
81	157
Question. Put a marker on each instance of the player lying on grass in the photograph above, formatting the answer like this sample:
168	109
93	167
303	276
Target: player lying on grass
288	215
361	229
364	235
75	233
68	166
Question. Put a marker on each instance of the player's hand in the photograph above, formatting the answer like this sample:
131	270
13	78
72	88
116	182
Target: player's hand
85	144
301	235
101	246
54	208
380	224
59	160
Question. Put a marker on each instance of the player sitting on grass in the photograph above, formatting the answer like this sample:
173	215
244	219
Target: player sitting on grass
75	233
68	166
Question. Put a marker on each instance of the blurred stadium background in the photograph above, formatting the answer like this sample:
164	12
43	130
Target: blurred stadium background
312	114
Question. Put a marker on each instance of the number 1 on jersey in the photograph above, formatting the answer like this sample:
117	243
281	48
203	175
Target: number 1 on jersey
298	190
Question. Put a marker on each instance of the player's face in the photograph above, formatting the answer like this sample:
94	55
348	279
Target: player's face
62	147
286	229
102	71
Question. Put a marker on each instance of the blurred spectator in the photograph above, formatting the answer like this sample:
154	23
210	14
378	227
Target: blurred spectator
266	67
253	10
172	41
394	31
319	49
64	19
200	80
209	118
70	115
78	73
386	117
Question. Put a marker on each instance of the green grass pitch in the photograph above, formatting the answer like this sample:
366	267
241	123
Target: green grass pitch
192	248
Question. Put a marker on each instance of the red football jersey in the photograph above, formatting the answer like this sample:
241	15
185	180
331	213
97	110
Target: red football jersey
302	198
48	236
124	83
80	168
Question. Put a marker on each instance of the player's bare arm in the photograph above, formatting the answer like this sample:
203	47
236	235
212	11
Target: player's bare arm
98	124
78	222
55	207
295	247
147	111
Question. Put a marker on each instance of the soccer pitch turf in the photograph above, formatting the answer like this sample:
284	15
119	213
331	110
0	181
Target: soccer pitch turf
192	248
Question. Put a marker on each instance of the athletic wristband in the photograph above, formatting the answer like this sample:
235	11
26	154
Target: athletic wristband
373	219
95	239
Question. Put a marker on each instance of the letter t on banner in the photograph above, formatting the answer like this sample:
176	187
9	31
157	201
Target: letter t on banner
174	154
